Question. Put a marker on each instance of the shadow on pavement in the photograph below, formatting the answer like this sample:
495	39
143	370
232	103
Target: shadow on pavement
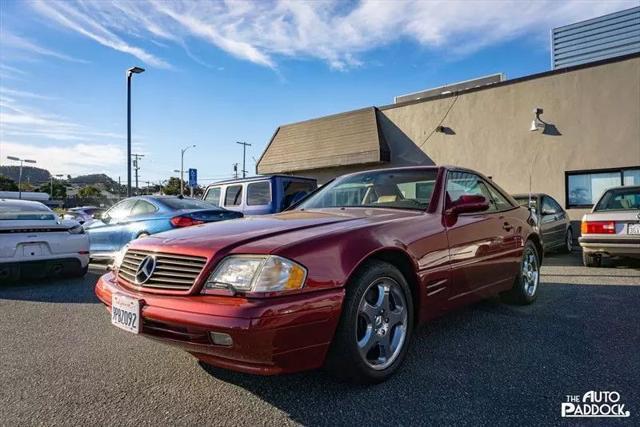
574	259
63	290
487	363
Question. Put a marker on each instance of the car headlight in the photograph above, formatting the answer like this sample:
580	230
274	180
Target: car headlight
257	273
117	260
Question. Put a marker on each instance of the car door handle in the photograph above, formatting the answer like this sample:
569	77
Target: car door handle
507	226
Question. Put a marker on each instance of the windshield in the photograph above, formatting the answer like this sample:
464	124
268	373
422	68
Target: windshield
620	199
524	201
186	203
26	212
402	189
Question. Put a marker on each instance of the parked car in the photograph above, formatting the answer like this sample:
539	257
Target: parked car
340	280
612	228
142	216
84	214
260	195
554	222
36	243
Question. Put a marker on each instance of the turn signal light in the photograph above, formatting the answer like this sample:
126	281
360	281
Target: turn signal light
184	221
598	227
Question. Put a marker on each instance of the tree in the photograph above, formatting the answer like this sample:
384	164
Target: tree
59	189
89	191
7	184
173	186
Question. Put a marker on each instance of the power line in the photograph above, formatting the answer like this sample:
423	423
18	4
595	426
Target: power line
441	121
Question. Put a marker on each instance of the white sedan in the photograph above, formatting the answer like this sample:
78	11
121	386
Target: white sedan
36	243
612	228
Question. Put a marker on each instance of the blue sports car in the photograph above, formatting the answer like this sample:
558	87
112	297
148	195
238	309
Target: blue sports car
141	216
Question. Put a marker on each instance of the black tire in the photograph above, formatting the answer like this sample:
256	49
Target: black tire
568	242
589	260
521	293
344	360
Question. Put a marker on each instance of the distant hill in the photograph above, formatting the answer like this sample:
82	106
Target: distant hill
97	180
30	174
37	176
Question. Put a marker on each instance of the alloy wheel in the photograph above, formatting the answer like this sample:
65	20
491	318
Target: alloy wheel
381	323
530	272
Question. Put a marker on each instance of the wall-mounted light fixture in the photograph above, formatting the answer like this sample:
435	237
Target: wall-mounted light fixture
537	123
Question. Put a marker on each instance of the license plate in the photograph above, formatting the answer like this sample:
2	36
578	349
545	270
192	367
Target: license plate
33	250
633	229
125	313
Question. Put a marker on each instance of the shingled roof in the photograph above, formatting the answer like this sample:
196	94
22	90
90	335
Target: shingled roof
348	138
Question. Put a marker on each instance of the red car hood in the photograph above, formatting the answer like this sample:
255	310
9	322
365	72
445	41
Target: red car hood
207	239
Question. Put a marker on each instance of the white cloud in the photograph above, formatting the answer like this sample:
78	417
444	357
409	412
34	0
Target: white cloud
12	41
73	159
333	31
23	94
18	120
70	16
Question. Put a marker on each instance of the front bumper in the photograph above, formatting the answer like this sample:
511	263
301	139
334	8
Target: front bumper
270	335
611	246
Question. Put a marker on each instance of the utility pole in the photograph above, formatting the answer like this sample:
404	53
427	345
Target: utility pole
235	170
136	166
244	157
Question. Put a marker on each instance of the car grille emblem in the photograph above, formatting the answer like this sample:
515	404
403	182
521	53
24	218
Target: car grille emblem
145	269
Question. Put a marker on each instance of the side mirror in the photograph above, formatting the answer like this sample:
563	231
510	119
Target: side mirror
468	204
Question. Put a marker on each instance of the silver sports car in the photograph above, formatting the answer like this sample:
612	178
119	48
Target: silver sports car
612	228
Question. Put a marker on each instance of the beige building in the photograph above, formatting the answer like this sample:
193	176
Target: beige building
588	136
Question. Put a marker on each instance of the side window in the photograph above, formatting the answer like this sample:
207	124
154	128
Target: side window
500	201
295	190
142	207
259	193
213	196
463	184
120	210
233	196
549	206
555	204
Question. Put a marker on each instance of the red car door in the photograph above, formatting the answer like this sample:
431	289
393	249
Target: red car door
478	242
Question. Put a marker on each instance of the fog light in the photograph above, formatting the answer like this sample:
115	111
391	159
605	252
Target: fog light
219	338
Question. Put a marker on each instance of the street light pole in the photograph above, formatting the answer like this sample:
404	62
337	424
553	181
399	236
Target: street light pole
244	157
58	175
182	167
130	73
17	159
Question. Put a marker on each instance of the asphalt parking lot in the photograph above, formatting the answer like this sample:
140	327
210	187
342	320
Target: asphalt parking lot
63	363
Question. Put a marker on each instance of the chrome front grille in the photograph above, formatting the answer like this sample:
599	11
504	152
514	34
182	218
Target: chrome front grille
177	272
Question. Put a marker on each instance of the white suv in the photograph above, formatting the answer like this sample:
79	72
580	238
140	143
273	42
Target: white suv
36	243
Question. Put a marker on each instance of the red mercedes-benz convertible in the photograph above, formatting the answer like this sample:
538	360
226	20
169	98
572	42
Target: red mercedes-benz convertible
340	280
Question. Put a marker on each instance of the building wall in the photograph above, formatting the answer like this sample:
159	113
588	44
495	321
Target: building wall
593	117
593	113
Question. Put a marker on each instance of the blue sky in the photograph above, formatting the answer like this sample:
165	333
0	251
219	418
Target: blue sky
220	72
